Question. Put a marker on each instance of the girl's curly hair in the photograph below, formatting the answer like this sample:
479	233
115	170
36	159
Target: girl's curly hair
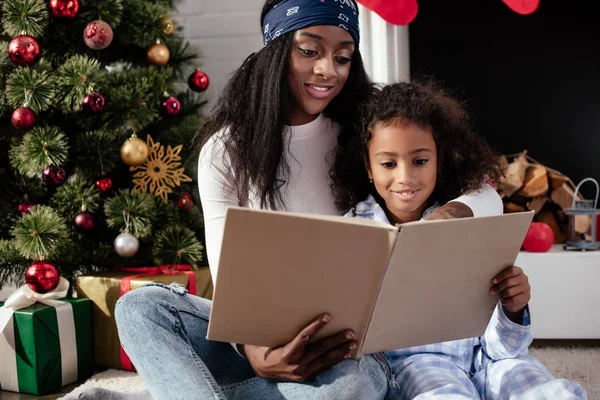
465	160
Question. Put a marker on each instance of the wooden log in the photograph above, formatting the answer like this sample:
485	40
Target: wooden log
515	175
537	204
563	196
510	207
535	182
546	215
557	179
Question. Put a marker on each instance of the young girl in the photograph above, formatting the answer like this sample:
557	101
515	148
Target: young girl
420	152
276	141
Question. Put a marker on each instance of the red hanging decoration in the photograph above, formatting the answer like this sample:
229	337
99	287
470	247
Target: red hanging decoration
84	221
93	102
67	9
198	81
42	277
170	107
397	12
24	50
54	176
104	184
24	208
523	7
23	118
185	202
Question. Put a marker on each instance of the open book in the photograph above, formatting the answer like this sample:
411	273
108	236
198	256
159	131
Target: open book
395	287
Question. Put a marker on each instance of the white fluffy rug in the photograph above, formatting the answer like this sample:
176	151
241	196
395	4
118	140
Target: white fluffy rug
578	363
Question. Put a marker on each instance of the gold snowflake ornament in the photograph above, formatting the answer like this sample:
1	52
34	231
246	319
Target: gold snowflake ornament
160	173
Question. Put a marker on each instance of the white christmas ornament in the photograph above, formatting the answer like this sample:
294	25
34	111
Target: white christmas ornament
126	245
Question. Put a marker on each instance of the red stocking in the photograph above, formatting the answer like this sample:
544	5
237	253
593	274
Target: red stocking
523	7
397	12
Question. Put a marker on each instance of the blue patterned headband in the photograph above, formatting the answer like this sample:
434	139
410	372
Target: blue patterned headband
291	15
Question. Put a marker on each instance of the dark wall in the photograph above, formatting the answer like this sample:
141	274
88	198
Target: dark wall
531	82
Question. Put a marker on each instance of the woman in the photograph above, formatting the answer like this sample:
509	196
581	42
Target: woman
273	142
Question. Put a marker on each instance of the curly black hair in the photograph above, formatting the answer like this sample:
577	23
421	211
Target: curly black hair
465	160
254	109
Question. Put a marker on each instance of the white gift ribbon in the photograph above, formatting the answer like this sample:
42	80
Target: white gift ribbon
25	297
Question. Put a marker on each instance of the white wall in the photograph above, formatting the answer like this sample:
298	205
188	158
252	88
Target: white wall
224	31
227	31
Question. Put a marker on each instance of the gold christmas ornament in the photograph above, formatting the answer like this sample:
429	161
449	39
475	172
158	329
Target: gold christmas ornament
134	151
168	26
158	54
160	173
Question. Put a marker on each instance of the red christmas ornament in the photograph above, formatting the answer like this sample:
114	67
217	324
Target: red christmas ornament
539	238
67	9
54	176
23	118
24	50
170	107
523	7
198	81
93	102
24	208
104	184
42	277
84	221
185	202
98	35
397	12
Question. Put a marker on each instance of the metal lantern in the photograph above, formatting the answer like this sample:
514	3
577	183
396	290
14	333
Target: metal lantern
576	240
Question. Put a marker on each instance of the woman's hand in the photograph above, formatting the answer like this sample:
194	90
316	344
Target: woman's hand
452	210
513	289
300	360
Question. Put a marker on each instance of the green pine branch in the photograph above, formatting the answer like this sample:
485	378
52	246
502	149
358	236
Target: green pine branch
4	59
40	234
135	207
149	15
40	148
29	16
97	153
183	58
109	11
135	97
12	264
75	196
76	78
30	87
177	245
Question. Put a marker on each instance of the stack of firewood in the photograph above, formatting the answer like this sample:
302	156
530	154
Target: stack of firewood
529	185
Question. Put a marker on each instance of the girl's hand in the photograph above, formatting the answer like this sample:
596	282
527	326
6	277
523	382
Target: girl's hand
512	287
300	360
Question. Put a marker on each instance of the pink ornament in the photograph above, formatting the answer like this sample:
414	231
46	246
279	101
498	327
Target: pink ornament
98	35
84	221
54	176
93	102
24	208
170	107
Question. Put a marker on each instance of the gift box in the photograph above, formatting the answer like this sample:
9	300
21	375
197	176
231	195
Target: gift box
105	288
41	352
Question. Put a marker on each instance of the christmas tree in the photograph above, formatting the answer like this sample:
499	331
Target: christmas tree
99	102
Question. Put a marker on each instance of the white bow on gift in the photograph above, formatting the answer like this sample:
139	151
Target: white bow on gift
25	297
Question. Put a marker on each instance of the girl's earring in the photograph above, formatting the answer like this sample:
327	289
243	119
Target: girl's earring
371	180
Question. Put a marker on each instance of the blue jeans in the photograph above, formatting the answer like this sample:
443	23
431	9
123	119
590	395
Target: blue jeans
163	329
